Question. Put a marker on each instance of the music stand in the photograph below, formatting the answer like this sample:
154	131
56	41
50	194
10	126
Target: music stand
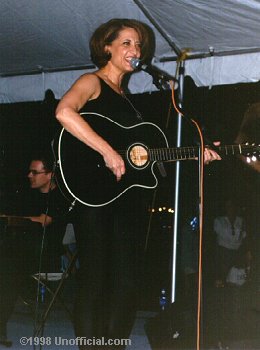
65	274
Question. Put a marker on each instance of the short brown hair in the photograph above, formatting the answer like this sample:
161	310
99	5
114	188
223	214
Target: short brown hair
109	31
47	160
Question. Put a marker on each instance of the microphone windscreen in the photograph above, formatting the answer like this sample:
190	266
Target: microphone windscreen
135	63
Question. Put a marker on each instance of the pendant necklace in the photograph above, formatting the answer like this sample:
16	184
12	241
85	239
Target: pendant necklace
138	114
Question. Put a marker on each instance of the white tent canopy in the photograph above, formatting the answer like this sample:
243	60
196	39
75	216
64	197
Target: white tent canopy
44	43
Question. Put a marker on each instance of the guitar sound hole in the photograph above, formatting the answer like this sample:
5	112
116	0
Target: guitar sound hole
138	156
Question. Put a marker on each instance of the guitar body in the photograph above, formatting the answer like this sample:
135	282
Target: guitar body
83	172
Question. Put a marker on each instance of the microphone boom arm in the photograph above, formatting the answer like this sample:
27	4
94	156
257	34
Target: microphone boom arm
161	79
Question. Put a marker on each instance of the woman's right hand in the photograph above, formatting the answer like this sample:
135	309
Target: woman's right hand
115	163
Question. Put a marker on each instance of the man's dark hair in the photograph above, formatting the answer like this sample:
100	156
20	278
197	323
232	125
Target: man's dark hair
109	31
46	159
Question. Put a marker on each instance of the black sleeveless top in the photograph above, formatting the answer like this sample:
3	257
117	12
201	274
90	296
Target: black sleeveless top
116	107
112	105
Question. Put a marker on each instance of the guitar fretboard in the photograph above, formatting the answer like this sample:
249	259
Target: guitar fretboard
191	152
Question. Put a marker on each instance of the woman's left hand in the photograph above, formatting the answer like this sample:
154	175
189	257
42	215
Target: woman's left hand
210	155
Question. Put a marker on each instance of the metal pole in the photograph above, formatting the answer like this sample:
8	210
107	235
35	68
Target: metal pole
177	186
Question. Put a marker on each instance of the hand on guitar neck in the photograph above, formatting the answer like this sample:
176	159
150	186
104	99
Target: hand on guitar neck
210	155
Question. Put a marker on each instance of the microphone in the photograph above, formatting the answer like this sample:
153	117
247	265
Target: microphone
160	78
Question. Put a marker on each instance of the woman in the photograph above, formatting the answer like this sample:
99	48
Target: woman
108	236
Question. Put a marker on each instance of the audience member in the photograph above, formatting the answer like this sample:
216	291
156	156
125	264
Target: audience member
231	247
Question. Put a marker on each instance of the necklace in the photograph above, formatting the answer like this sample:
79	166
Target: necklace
138	114
114	86
118	89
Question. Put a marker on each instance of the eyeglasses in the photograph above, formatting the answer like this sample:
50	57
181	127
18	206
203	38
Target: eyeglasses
35	172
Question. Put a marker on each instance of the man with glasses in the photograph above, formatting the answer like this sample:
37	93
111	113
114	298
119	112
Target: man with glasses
44	212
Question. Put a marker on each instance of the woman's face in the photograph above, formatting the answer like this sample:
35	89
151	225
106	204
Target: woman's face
125	47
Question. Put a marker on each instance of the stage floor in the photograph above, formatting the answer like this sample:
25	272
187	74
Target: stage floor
233	312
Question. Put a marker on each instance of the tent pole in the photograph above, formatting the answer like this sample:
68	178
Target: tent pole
158	27
177	186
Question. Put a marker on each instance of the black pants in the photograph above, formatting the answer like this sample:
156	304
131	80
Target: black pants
108	248
226	258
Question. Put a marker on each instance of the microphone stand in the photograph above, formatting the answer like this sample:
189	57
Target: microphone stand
177	186
161	80
162	83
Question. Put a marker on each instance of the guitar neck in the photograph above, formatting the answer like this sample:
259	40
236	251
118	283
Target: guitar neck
192	152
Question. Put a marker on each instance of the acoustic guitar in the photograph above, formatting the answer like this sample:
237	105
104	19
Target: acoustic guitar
81	171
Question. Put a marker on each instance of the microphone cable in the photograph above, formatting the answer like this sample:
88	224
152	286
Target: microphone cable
201	216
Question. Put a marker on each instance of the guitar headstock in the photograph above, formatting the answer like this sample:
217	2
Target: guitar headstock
251	152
